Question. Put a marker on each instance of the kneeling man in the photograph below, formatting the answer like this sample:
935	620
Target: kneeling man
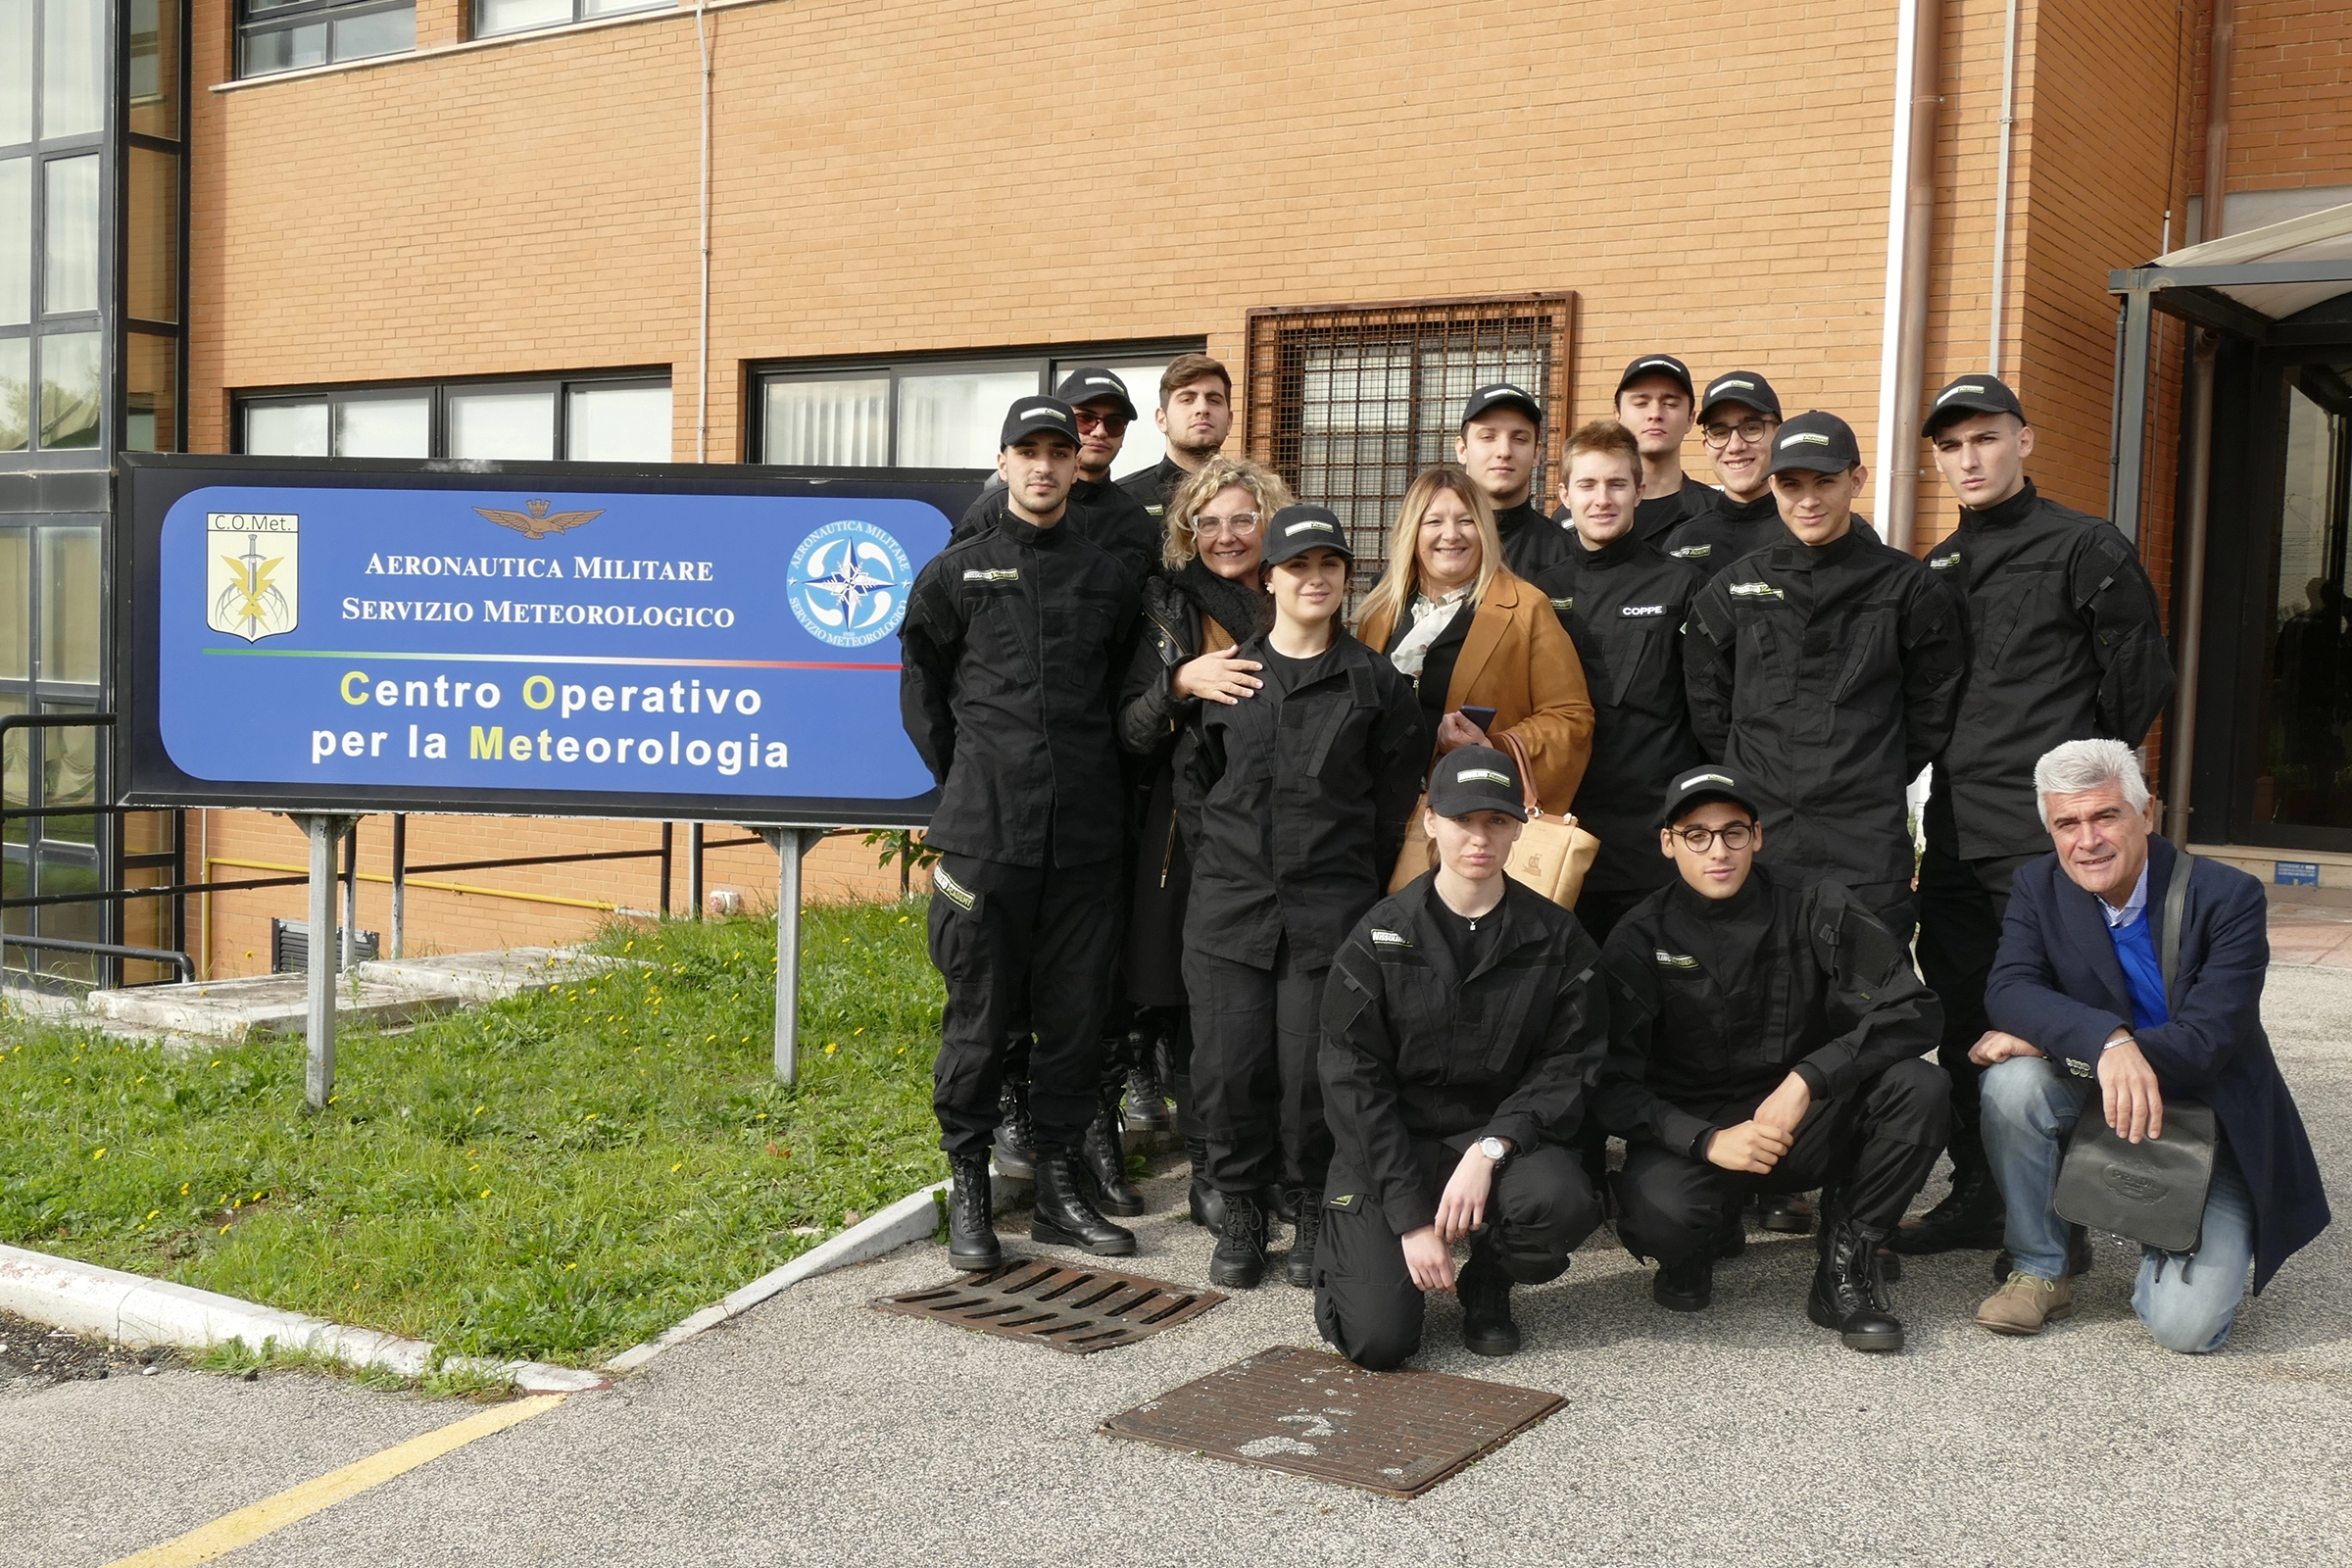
1765	1035
1463	1024
2084	1021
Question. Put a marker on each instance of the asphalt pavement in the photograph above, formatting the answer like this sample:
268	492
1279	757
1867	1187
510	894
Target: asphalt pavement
814	1430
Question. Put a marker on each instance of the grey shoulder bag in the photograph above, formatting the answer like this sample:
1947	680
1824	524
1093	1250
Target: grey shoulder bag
2154	1191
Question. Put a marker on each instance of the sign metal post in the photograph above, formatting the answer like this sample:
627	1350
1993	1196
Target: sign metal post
326	831
790	843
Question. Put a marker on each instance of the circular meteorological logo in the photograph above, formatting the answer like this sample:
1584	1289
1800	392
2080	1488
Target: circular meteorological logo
850	582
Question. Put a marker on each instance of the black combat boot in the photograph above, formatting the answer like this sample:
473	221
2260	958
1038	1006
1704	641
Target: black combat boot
1848	1293
1017	1136
1731	1239
972	1216
1305	1231
1147	1102
1063	1215
1240	1260
1688	1285
1103	1153
1486	1294
1784	1212
1203	1202
1971	1216
1277	1204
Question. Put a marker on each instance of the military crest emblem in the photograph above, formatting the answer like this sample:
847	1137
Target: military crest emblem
251	581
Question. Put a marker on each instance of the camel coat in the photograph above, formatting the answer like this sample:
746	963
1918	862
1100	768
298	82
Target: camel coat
1517	660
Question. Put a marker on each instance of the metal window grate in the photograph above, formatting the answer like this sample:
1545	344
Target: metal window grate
1348	403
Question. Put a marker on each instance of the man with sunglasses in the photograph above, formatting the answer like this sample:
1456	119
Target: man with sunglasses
1098	509
1765	1035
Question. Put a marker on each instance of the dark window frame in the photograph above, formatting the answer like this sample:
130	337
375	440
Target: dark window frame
474	28
437	391
250	24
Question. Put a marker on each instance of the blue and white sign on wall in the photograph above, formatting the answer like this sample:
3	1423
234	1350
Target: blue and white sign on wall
578	639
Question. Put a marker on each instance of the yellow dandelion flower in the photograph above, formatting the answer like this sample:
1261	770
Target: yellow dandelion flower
97	1153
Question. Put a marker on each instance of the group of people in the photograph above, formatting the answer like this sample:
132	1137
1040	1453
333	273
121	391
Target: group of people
1190	823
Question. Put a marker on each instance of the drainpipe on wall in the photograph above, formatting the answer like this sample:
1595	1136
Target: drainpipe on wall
2000	201
2217	120
1910	216
702	397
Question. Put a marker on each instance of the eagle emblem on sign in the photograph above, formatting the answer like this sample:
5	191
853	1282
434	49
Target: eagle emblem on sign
536	521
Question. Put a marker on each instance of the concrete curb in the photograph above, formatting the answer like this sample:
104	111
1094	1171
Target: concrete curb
133	1310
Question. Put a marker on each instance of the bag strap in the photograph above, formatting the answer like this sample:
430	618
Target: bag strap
1527	774
2175	907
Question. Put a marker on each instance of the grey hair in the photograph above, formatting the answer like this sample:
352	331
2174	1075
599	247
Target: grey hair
2079	765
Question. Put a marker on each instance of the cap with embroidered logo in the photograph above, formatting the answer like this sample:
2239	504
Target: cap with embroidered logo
1820	442
1476	778
1503	395
1032	415
1713	781
1739	387
1297	529
1091	383
1971	394
1665	364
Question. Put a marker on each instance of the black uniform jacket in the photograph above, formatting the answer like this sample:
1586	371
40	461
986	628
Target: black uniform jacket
1098	509
2065	645
1713	1003
1414	1051
1294	806
1726	531
1531	542
1623	605
1012	644
1654	519
1150	716
1832	674
1152	488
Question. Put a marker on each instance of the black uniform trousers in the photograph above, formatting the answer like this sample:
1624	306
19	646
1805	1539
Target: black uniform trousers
1961	906
1871	1149
1257	1097
1366	1303
1047	937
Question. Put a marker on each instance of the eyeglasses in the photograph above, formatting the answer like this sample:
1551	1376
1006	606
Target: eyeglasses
1088	419
1699	840
1240	526
1750	431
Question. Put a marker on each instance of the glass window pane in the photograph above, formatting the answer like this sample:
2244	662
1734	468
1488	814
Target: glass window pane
16	392
69	390
150	281
16	604
518	425
69	605
384	428
512	16
16	773
380	32
625	422
77	922
284	49
15	72
951	421
69	266
286	429
15	240
150	393
611	8
72	68
154	66
842	424
68	777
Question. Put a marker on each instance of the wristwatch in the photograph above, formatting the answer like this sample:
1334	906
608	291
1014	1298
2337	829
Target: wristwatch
1494	1149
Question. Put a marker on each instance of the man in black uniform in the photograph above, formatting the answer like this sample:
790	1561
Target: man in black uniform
1655	402
1011	657
1194	416
1623	605
2066	645
1500	439
1738	419
1765	1034
1098	509
1826	668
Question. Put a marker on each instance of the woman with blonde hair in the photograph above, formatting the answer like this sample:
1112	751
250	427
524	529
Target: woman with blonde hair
1449	614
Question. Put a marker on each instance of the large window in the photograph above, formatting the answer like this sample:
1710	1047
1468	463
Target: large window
493	17
1349	403
938	413
609	419
2304	779
288	34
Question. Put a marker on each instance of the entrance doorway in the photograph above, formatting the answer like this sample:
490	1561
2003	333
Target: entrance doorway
2303	776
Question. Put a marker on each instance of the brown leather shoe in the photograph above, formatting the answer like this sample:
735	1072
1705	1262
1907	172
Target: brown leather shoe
2024	1303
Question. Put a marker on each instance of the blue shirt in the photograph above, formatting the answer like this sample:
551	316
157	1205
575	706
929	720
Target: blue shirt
2136	950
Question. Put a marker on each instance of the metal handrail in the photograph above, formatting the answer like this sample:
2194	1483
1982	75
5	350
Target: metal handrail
115	950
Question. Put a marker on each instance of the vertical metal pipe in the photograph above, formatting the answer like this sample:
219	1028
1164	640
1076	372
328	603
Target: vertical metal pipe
319	1015
694	870
351	897
2000	201
2219	46
668	829
1902	493
790	843
400	884
702	401
2180	740
2132	416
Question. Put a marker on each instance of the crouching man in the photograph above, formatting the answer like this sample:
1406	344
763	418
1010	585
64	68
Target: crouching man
2085	1020
1463	1024
1765	1035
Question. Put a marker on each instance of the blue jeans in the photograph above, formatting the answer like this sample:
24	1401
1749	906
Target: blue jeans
2189	1303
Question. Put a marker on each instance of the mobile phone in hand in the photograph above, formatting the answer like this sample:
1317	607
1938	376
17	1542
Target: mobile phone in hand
1481	716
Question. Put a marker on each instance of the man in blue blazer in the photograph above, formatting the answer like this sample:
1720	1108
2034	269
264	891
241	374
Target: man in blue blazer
2079	1017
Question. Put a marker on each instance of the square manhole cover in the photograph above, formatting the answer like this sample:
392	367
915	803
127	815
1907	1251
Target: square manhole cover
1311	1413
1076	1310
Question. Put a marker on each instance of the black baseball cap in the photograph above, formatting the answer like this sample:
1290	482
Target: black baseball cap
1297	529
1971	394
1820	442
1032	415
1741	386
1476	778
1091	383
1502	394
1665	364
1695	786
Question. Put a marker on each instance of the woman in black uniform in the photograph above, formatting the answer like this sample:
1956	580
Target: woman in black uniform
1292	804
1464	1026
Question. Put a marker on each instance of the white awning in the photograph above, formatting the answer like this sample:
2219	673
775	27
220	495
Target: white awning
2322	237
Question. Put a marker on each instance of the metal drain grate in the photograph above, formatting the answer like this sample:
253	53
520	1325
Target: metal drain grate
1080	1310
1311	1413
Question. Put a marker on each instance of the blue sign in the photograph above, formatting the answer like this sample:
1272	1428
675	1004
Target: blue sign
526	642
2297	874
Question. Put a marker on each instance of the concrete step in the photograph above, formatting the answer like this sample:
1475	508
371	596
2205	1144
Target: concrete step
478	977
262	1004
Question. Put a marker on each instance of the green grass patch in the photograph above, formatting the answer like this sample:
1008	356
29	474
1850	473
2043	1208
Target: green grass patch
556	1177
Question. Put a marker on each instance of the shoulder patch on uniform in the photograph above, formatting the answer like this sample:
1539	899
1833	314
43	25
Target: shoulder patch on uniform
1340	1200
1755	590
1642	610
1156	510
1568	603
1674	960
1939	563
1388	939
995	574
1693	552
958	894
